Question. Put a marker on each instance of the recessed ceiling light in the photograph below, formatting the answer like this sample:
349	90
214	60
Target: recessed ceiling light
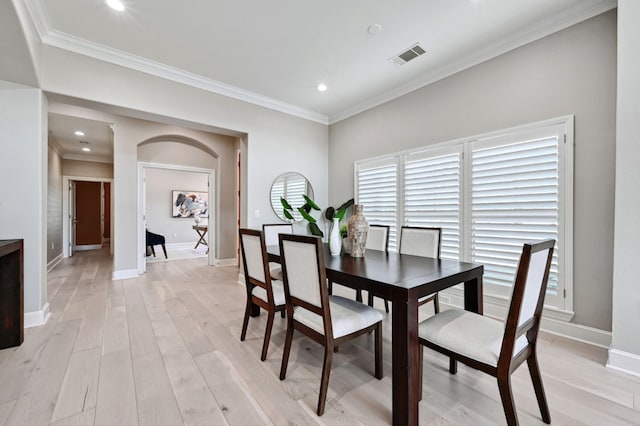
79	133
322	87
85	146
116	5
374	29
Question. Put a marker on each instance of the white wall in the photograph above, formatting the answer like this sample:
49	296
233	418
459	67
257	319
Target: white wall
87	169
569	72
159	186
54	205
625	346
23	171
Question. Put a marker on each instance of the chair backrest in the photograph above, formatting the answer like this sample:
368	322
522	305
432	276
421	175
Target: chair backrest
527	298
378	237
254	260
272	230
304	274
419	241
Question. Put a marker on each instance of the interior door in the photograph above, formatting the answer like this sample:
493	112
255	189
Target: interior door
88	215
72	217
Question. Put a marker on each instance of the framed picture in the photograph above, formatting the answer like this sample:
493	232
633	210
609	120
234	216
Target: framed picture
189	204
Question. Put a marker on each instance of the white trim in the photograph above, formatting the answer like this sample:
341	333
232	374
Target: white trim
124	274
107	54
625	362
226	262
55	262
515	40
37	318
86	247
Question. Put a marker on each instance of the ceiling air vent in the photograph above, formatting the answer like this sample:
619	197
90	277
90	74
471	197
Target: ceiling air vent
408	54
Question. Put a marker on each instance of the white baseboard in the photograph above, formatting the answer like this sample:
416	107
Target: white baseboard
226	262
36	318
124	274
625	362
88	247
54	262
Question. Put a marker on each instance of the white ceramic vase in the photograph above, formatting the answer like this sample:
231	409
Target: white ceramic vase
335	242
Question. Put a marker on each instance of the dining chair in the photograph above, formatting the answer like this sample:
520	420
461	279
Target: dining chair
377	239
424	242
492	346
271	232
328	320
268	294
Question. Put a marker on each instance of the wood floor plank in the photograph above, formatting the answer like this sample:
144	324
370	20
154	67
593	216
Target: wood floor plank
86	418
80	386
157	405
116	403
5	410
92	327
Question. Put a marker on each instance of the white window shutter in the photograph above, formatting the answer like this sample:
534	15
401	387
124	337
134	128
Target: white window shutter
432	195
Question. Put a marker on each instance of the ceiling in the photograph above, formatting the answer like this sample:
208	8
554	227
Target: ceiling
276	53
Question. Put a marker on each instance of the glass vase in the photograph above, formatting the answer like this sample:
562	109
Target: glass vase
358	230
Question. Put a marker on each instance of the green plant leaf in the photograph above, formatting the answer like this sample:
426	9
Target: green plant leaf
346	205
311	203
313	228
340	214
285	204
307	216
287	214
329	213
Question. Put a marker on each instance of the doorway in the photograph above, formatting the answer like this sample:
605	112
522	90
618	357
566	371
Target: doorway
87	212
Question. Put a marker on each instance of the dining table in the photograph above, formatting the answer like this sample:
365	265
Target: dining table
402	279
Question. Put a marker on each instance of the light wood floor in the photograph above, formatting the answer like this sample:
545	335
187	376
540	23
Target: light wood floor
164	349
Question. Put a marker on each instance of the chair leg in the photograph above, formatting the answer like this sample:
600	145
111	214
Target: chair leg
436	303
536	378
453	366
245	321
164	249
153	251
324	382
370	300
267	334
420	371
283	313
386	305
504	386
359	295
330	286
378	355
287	348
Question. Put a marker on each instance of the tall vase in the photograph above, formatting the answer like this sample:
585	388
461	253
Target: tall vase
358	229
335	242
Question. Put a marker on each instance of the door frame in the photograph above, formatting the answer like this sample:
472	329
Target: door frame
67	216
213	208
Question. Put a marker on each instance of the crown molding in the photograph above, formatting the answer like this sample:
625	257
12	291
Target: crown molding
39	17
554	24
97	51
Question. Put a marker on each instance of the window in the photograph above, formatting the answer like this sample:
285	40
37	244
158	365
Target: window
489	194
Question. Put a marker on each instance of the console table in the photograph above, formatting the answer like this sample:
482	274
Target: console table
11	293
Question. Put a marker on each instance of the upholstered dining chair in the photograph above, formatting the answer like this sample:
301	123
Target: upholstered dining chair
424	242
268	294
271	232
377	239
328	320
491	346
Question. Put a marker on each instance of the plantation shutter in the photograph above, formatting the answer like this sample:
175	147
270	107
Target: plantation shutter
377	191
514	199
432	195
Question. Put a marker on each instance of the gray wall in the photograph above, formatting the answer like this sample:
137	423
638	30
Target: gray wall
54	206
92	169
569	72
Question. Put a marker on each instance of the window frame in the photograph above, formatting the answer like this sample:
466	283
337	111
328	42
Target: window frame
557	307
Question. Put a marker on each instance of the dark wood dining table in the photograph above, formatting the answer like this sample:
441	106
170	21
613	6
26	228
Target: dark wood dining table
402	279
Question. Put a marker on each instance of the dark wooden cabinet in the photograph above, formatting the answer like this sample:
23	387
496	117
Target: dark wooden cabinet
11	293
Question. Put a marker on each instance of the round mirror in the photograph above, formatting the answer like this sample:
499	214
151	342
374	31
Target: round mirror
291	186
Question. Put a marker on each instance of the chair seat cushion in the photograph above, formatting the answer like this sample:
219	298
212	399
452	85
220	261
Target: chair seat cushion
278	293
347	316
275	270
467	333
